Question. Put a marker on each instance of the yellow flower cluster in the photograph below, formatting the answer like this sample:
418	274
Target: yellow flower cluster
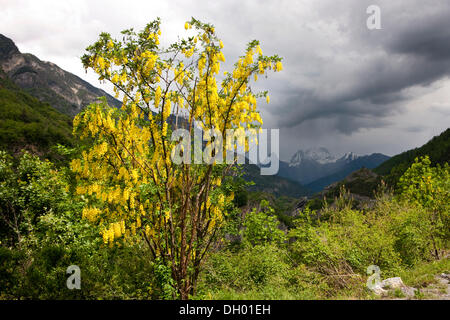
129	162
114	168
115	231
91	214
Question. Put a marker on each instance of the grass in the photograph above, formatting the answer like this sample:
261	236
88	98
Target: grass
424	273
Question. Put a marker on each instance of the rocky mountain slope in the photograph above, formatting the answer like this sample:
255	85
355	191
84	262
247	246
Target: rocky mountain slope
46	81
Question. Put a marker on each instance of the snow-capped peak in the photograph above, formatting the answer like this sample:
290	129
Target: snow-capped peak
350	156
320	155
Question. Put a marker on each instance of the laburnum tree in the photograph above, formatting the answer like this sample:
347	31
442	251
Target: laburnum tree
126	173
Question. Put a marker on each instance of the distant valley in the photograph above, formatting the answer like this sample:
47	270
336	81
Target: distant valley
317	168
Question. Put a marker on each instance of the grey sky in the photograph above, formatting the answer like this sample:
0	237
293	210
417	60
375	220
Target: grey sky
343	86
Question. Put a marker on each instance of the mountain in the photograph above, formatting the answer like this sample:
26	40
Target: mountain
273	184
317	168
320	155
37	102
438	149
47	82
368	162
27	123
362	184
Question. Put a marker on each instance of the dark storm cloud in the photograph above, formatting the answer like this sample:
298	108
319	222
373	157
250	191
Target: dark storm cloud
427	36
348	116
376	91
377	67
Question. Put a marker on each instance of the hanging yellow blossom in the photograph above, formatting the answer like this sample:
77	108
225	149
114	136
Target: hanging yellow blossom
126	175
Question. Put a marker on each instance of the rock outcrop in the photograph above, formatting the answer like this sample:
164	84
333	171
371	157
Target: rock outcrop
389	287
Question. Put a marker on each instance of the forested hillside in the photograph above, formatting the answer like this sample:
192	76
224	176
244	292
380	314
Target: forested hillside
26	122
364	184
438	149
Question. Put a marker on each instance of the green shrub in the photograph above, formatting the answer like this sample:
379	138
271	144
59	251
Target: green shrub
262	226
257	272
429	187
